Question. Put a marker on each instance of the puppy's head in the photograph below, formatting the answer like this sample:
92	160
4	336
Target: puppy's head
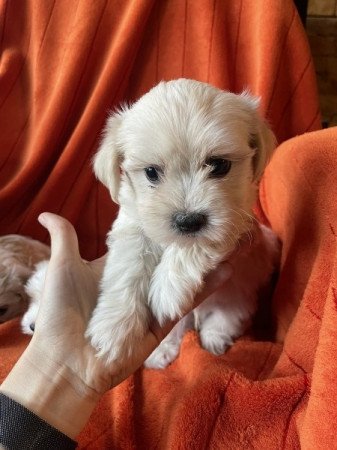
18	255
185	160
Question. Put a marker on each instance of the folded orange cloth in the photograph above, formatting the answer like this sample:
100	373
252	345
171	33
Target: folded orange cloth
64	65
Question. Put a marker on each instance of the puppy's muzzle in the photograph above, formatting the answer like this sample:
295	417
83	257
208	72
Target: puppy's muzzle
189	222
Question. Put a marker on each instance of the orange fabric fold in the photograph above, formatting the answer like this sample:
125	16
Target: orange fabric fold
63	66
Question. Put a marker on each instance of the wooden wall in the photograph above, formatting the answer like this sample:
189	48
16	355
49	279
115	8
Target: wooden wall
322	32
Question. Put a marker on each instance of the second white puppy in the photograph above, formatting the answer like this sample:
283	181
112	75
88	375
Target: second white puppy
183	163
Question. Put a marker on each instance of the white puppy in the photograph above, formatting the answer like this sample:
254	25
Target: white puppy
183	163
18	256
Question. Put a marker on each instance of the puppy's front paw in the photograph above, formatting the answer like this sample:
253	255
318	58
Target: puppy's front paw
163	355
166	302
29	318
115	336
215	341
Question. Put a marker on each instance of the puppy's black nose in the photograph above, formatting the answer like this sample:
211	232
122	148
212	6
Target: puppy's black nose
32	327
189	222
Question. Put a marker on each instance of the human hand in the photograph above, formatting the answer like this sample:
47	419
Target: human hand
59	360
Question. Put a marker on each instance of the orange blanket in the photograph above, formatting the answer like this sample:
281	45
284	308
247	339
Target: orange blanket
64	65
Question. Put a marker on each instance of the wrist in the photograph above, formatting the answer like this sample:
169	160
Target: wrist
50	390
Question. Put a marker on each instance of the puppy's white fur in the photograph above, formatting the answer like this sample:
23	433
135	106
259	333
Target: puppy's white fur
152	268
34	290
18	256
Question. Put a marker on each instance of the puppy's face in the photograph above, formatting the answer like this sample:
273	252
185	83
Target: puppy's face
190	156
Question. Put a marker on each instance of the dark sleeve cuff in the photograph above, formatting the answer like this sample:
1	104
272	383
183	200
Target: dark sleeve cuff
22	429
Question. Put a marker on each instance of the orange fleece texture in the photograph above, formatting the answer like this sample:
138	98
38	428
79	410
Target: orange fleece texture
64	65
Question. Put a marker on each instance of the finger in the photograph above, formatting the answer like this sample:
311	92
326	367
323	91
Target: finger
62	235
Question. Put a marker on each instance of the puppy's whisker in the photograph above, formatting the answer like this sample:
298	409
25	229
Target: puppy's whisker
250	217
232	237
232	224
241	213
253	222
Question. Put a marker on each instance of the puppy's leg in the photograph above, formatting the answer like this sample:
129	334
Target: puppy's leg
176	280
168	349
225	315
121	316
220	320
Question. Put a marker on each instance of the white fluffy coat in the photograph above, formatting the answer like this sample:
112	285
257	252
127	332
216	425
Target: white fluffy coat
153	269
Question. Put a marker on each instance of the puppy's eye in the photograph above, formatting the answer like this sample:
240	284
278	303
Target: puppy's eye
219	167
152	174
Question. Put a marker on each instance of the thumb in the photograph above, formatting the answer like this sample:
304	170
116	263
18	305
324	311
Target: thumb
62	235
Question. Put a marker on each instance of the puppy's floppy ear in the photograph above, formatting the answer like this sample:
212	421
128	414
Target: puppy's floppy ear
262	139
21	271
264	143
107	160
